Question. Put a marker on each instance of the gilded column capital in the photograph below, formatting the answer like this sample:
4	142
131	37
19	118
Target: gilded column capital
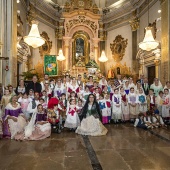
134	23
157	62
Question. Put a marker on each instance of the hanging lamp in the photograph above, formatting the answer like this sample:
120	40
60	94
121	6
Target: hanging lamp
34	39
148	42
103	57
60	56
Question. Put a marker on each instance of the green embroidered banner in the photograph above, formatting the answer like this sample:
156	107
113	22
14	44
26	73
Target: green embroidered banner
50	65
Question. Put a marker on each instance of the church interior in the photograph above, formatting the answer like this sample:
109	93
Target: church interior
87	38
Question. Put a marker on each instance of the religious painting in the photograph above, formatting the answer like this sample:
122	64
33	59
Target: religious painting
118	48
50	65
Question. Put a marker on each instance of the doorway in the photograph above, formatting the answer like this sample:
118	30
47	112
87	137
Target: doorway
151	74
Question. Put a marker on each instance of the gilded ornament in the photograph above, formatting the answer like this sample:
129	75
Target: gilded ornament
118	48
134	24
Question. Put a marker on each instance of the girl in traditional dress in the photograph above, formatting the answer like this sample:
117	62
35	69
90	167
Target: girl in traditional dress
21	87
59	89
86	94
95	85
102	83
151	101
96	93
116	110
108	107
138	87
14	120
126	87
124	105
72	120
159	102
81	91
156	86
142	101
79	106
131	84
73	87
24	101
166	105
90	119
113	87
5	99
103	108
133	104
63	106
90	82
38	128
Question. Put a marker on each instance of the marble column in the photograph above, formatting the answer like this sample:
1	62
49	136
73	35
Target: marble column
157	67
10	41
1	36
66	51
165	41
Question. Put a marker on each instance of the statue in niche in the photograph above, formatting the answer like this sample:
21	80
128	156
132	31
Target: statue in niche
118	70
80	52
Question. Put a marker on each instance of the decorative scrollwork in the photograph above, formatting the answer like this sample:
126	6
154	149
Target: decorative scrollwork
118	48
81	20
81	4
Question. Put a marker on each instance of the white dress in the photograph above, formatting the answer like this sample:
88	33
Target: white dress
117	110
166	106
91	126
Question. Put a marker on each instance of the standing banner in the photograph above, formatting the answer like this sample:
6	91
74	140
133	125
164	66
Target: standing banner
50	65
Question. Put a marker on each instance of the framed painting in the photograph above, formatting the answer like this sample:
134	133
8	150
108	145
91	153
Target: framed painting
50	65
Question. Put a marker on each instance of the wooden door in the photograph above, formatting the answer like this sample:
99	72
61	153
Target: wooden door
151	74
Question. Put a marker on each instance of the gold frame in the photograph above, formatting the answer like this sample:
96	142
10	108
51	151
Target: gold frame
85	37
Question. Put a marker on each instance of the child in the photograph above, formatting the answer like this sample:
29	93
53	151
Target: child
55	118
79	106
31	94
151	100
96	93
81	91
41	128
86	94
139	122
116	110
108	106
63	105
5	99
103	108
166	105
72	120
148	119
24	101
157	119
133	104
124	105
52	84
44	104
113	87
45	96
142	101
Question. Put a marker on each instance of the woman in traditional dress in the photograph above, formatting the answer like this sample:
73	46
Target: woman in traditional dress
166	105
156	86
102	83
142	101
14	120
59	89
90	119
133	104
90	83
38	128
116	109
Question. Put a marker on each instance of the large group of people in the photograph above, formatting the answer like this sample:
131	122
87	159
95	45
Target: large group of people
32	112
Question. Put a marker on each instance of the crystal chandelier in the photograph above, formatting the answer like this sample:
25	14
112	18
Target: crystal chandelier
103	57
148	42
34	39
60	56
